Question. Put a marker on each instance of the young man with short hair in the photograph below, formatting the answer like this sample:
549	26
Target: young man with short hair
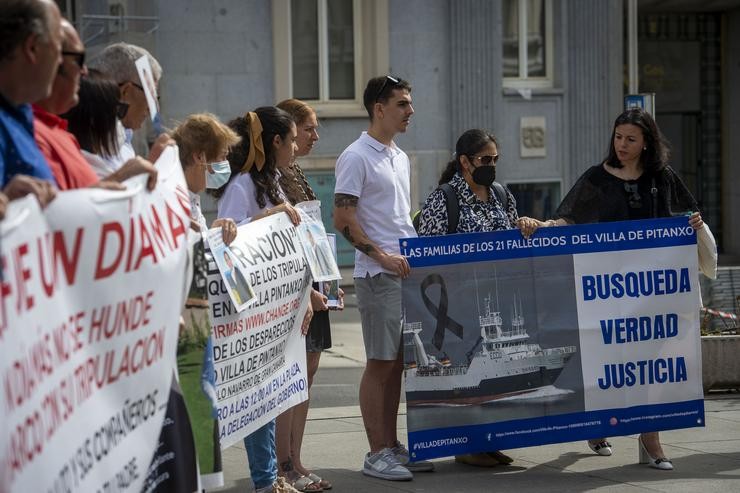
372	207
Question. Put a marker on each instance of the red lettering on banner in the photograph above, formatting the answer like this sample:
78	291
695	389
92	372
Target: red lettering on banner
5	292
183	198
26	442
108	228
128	316
147	248
56	253
177	226
130	244
22	279
27	372
143	237
68	337
159	233
58	405
101	370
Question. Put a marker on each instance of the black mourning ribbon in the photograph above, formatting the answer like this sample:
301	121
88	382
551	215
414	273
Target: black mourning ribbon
439	312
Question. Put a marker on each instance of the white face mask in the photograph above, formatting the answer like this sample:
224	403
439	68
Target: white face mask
220	175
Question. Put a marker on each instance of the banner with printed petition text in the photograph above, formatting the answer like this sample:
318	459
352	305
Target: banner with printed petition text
259	354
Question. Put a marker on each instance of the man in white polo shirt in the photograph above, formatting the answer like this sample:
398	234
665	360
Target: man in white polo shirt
372	207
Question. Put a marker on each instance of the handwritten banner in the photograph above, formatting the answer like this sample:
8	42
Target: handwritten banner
578	332
259	354
87	344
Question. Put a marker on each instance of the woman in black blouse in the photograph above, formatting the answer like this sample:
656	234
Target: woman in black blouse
634	182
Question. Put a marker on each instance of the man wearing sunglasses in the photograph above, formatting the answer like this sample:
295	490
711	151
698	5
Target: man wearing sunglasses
60	148
372	208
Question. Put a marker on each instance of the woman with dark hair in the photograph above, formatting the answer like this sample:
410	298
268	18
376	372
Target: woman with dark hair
483	205
292	423
633	182
94	121
268	144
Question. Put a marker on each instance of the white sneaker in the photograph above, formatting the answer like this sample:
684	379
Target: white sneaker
384	465
402	455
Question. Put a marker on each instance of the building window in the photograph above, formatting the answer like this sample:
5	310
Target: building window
528	43
536	199
323	46
325	50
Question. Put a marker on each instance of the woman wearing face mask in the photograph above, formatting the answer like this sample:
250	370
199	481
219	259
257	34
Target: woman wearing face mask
203	142
268	144
483	205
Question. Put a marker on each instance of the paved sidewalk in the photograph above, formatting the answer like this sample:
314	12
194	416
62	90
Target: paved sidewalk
706	460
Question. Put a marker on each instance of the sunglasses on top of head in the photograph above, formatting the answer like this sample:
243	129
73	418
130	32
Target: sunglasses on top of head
388	79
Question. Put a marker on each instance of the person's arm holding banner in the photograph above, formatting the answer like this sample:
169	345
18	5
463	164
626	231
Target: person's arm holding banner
159	145
345	220
22	185
133	167
3	205
285	207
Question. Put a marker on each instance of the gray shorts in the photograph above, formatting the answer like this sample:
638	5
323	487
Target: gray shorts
379	302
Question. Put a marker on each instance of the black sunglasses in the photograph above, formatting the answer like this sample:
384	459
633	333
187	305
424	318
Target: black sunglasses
390	79
486	160
634	200
79	56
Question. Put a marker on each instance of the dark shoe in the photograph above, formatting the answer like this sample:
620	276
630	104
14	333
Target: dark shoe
501	457
482	459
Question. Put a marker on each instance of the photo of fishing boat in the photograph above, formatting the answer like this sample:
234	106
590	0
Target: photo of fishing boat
502	362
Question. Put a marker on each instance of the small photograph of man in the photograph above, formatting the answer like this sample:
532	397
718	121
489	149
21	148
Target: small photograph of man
239	290
318	251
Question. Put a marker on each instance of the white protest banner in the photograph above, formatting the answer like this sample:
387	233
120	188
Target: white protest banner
90	299
259	354
578	332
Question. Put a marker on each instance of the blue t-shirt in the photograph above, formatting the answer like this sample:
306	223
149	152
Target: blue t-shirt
19	153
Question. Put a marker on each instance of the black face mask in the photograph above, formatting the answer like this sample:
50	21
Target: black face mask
484	175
